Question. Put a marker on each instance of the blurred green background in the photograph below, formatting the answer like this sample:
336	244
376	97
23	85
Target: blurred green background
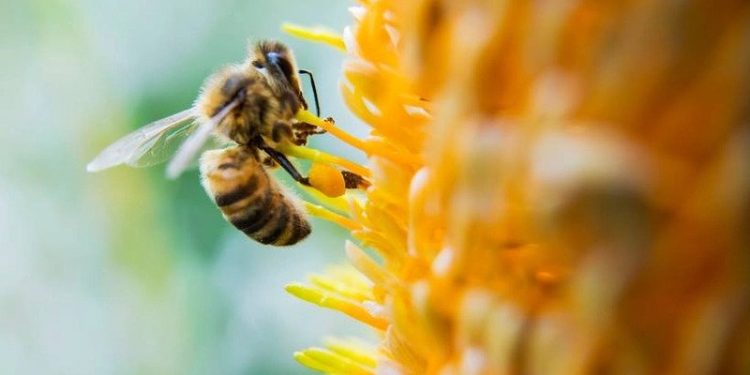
124	272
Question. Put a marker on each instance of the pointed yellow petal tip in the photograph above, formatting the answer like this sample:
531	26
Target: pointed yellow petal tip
354	349
336	301
330	362
308	361
322	157
304	292
323	213
318	34
327	180
327	125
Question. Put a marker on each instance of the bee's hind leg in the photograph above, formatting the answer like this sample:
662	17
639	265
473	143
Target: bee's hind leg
282	160
269	162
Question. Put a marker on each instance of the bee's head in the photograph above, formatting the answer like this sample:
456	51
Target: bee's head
277	63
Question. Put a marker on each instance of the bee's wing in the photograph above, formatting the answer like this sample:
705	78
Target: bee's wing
149	145
192	146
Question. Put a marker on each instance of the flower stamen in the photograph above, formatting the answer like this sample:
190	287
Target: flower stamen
324	158
336	301
323	213
316	34
338	204
353	349
330	362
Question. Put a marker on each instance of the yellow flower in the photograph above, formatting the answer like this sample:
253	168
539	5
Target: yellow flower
557	187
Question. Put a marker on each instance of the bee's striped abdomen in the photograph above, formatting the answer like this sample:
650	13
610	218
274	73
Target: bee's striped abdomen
249	199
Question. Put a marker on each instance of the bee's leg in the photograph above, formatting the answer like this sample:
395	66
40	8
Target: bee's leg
296	132
304	127
268	162
286	164
303	130
282	131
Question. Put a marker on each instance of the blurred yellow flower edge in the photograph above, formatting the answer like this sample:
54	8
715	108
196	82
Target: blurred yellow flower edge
557	188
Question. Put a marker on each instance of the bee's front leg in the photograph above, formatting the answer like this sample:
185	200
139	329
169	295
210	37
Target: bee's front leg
302	130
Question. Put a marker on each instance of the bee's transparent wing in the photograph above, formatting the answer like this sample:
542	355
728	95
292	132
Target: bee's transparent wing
193	145
149	145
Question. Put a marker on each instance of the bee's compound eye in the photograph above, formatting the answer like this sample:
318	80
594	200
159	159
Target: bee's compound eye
258	64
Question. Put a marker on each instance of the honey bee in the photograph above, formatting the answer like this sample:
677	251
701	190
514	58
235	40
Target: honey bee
251	105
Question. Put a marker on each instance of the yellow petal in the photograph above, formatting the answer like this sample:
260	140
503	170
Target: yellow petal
330	300
317	34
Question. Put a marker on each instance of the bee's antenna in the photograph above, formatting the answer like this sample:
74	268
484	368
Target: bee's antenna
315	91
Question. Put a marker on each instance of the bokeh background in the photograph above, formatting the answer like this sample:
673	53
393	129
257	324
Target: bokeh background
124	272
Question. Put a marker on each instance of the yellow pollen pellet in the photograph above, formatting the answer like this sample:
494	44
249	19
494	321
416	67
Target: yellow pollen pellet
327	180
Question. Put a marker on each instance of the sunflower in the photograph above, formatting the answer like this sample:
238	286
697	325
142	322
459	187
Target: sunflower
556	187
